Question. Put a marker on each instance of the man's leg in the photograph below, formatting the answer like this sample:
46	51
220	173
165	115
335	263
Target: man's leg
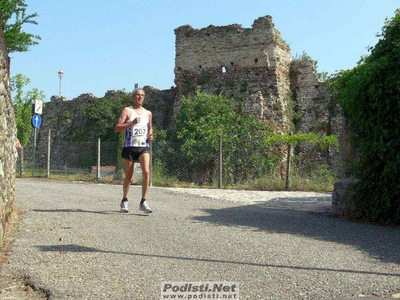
128	176
144	160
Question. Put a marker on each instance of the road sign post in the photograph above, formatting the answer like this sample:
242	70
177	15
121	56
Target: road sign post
36	122
37	107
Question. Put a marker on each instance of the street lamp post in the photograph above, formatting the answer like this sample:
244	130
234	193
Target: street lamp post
60	74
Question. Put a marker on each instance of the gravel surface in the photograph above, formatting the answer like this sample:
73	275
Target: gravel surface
74	243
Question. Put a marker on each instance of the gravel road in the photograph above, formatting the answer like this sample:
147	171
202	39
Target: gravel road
74	243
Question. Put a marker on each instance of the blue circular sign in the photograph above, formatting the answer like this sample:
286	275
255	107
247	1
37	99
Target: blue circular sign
36	120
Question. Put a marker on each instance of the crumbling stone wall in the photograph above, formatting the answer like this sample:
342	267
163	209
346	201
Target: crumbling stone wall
314	112
310	95
252	63
161	104
62	115
8	132
255	64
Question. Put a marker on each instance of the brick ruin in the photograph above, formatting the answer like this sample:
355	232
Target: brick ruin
233	60
256	64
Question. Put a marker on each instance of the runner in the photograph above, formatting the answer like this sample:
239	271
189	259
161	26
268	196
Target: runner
136	123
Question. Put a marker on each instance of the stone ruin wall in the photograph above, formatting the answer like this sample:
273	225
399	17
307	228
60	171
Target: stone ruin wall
316	113
61	116
234	61
256	64
8	151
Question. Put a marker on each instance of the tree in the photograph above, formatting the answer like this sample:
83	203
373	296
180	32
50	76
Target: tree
23	106
278	139
100	117
203	120
370	97
13	16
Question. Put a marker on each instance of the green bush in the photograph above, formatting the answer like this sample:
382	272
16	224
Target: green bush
370	97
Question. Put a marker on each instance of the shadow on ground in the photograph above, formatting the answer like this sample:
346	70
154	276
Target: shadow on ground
379	242
82	249
316	204
67	210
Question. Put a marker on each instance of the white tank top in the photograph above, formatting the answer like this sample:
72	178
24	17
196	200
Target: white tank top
136	135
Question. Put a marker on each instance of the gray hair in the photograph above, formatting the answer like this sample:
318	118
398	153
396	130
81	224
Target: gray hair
138	89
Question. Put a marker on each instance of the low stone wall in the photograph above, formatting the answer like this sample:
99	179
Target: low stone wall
8	131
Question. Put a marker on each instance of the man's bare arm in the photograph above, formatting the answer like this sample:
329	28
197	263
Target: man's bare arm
121	125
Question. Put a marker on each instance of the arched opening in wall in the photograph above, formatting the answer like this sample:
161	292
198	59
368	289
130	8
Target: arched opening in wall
223	70
256	60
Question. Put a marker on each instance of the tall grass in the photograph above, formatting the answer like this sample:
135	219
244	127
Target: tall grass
321	180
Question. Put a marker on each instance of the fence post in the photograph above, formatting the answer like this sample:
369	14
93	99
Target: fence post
98	161
151	165
48	153
220	163
21	162
288	167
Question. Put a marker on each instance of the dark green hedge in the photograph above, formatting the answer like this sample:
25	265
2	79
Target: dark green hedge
370	98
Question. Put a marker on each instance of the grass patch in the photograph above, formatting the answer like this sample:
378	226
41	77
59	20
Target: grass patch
319	181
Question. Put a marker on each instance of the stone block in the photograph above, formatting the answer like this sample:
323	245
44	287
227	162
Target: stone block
343	204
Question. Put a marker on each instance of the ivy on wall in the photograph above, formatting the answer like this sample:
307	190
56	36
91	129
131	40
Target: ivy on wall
370	97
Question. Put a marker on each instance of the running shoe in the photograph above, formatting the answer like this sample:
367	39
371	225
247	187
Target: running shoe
124	206
145	207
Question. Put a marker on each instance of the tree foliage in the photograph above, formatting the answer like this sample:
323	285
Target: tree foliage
23	106
204	119
295	139
100	117
96	120
370	97
14	16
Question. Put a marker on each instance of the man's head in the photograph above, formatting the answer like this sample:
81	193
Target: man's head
138	96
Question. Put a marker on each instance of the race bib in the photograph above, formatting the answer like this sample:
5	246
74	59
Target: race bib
139	136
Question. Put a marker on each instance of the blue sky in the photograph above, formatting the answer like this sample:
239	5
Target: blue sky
103	45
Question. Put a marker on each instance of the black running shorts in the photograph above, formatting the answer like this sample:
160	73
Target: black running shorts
133	153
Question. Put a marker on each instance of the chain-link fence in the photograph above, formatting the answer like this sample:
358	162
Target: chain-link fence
46	156
176	163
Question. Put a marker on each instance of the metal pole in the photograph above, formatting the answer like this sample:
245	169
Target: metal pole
98	161
21	160
151	165
288	167
220	163
34	153
48	153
